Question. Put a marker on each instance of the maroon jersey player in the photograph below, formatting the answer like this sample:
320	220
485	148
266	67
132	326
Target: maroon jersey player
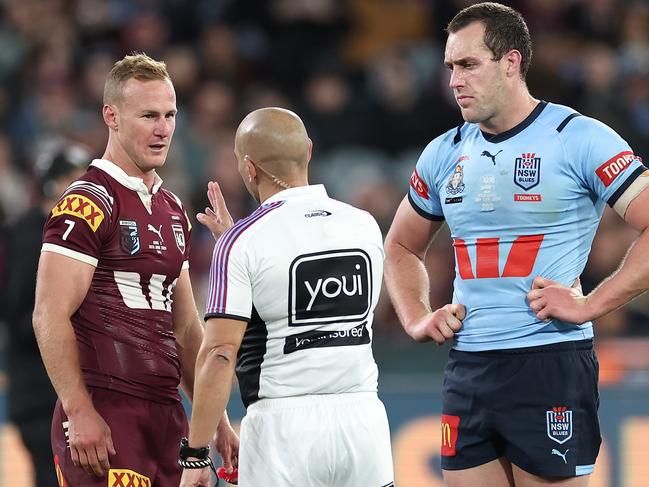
115	316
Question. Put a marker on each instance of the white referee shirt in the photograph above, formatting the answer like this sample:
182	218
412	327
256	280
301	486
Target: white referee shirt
305	271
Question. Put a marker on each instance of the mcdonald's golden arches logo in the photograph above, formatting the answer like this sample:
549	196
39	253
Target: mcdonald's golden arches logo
449	432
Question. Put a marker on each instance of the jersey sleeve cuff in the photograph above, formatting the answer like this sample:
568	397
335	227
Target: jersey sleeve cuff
185	265
425	214
628	190
73	254
227	316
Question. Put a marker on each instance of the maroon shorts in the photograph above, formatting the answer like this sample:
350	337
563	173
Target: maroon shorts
146	436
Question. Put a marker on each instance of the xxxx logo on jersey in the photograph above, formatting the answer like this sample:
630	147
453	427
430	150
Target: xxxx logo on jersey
81	207
122	477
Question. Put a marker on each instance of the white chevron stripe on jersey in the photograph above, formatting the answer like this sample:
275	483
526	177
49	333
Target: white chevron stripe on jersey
130	288
66	432
94	189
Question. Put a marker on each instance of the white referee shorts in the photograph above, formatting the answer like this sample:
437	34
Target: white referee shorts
327	440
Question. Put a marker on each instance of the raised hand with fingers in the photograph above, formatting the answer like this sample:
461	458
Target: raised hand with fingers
90	441
439	325
550	299
217	219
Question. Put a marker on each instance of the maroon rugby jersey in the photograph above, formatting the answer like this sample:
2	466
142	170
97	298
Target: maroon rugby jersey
138	242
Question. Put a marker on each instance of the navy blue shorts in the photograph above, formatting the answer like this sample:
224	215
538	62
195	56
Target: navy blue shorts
535	406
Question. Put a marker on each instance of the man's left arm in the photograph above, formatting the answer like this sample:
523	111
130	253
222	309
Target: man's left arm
214	373
189	336
549	299
187	330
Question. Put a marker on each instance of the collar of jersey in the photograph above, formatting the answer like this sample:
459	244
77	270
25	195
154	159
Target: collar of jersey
508	134
131	182
299	192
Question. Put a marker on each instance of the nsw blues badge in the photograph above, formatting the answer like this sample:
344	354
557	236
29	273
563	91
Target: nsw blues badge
129	238
527	170
559	424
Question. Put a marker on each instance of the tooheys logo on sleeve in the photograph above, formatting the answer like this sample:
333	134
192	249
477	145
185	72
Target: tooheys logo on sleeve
610	170
121	477
81	207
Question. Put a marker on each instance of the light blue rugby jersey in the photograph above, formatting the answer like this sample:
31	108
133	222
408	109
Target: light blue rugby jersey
520	204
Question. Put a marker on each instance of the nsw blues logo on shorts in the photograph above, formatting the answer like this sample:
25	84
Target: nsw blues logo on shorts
559	423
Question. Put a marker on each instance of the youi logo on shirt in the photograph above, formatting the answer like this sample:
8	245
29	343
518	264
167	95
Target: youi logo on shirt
332	286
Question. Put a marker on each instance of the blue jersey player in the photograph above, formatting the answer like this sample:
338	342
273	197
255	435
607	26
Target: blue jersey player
522	185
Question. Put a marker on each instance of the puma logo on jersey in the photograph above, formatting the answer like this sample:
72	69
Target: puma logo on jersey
562	455
157	231
486	153
81	207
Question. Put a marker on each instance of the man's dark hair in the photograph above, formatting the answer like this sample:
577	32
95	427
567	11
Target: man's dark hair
505	29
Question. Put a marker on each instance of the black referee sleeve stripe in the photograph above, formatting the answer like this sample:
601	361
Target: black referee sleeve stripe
227	316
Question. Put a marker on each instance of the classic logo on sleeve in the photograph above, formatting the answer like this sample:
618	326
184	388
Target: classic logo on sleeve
81	207
419	185
122	477
610	170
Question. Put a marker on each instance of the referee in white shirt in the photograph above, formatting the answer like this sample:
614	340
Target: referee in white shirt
293	288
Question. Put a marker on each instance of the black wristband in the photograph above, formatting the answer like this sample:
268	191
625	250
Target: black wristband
187	451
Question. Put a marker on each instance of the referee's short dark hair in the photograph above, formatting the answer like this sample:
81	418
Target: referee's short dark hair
505	29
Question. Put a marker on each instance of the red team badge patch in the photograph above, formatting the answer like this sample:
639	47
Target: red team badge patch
450	426
610	170
418	185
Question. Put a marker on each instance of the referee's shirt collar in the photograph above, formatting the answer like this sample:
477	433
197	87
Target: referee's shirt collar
317	190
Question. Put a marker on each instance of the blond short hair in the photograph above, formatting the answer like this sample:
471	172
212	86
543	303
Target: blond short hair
138	66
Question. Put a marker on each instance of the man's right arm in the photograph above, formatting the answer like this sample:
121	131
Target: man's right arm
407	279
61	286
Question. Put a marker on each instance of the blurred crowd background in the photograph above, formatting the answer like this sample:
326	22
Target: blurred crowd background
365	75
368	80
